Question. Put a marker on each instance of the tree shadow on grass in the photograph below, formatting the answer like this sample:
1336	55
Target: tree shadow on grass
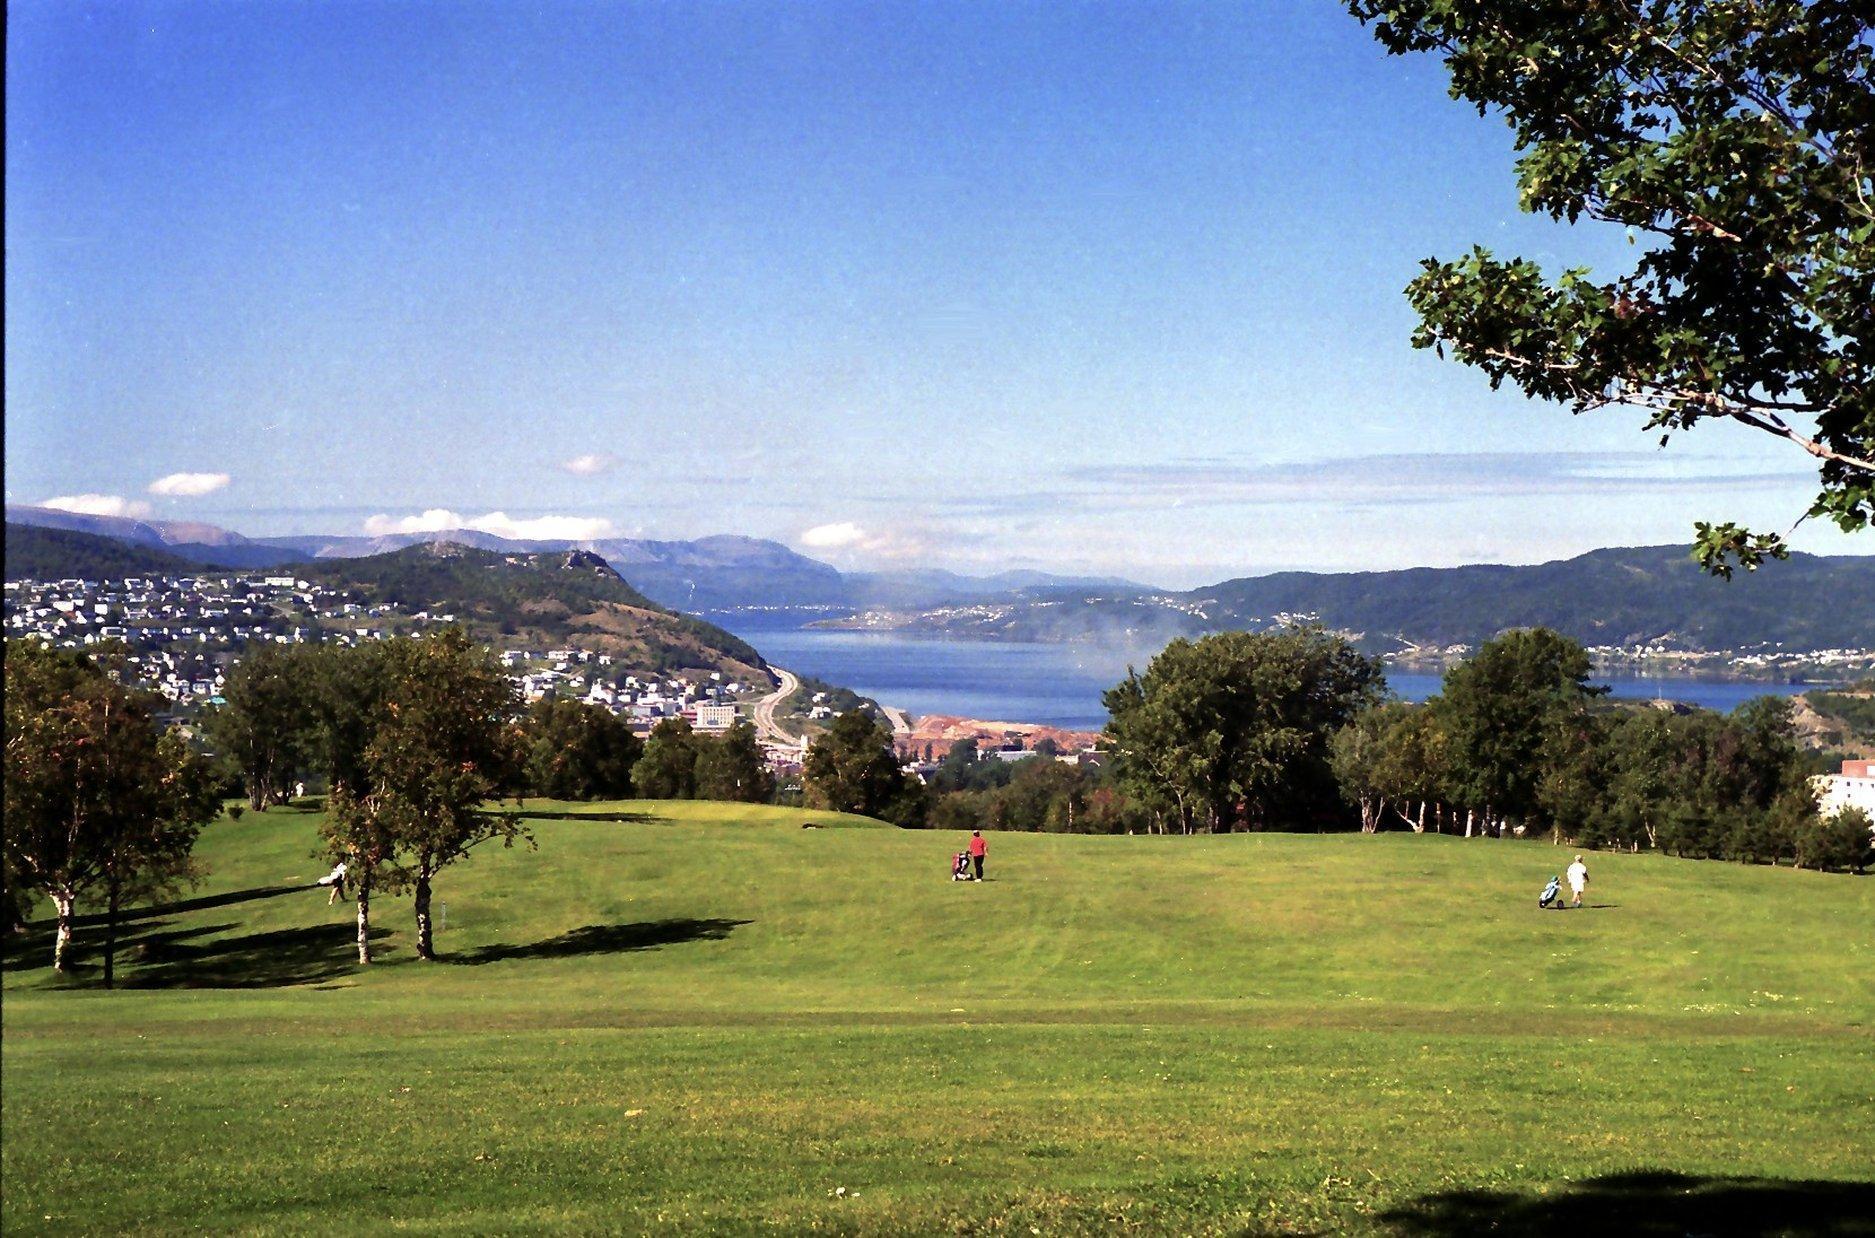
1649	1204
32	945
557	814
32	950
605	939
268	960
130	915
155	955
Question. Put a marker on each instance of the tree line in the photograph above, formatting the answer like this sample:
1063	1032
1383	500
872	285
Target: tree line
288	712
1292	729
412	739
415	739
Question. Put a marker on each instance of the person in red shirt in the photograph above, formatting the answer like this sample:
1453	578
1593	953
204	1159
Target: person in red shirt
978	849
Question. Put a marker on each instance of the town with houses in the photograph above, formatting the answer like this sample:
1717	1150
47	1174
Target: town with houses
181	635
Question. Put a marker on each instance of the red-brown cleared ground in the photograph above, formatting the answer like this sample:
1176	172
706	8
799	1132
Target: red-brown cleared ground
940	731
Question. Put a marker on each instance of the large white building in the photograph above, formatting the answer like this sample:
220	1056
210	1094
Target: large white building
1853	788
715	717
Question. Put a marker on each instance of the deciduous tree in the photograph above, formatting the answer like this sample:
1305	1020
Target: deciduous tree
1737	138
853	768
577	751
1233	729
668	768
264	728
98	796
1500	710
732	767
437	749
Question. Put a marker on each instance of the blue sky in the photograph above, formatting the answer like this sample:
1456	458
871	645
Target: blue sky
1109	287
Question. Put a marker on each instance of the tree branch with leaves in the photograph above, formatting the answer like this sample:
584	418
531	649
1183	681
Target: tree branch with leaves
1738	138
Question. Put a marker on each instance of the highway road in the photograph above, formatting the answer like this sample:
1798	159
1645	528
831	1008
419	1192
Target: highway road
765	725
767	728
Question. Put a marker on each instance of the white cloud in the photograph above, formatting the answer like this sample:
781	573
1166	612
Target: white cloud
498	524
1406	477
98	505
591	464
189	484
845	536
842	536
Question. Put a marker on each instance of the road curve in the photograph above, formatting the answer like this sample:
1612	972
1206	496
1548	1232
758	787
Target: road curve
765	725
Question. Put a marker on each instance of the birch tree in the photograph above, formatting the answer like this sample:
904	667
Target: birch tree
438	749
99	799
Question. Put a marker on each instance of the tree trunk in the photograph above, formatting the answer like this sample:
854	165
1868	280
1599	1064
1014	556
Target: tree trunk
112	902
425	948
364	921
62	940
1468	823
1421	827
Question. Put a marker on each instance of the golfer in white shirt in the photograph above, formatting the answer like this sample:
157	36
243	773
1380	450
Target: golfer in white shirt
335	879
1578	875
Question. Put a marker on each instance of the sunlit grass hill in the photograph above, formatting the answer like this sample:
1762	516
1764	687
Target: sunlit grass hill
692	1016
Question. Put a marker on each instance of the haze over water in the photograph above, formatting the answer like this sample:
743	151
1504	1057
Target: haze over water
1061	684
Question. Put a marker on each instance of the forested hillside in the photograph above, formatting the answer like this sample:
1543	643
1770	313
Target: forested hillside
34	553
568	598
1621	596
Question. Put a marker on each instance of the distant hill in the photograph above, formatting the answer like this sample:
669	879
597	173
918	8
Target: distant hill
1618	597
707	574
931	587
542	601
34	553
198	543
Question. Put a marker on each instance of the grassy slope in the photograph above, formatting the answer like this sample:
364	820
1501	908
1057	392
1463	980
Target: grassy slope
711	1018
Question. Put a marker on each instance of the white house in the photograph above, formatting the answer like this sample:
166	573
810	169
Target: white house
715	717
1853	788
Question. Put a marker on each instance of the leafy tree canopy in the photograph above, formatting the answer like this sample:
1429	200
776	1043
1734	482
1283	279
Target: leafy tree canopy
1736	136
732	767
1234	728
852	768
576	751
265	727
100	799
1503	708
668	768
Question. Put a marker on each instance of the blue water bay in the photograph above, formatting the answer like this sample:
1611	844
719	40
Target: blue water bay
1061	684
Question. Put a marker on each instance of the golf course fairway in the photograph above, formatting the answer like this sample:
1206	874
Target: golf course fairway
692	1017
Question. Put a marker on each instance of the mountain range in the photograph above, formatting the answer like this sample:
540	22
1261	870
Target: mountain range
708	574
1620	597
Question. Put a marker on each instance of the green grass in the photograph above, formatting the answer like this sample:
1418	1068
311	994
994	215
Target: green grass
704	1017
